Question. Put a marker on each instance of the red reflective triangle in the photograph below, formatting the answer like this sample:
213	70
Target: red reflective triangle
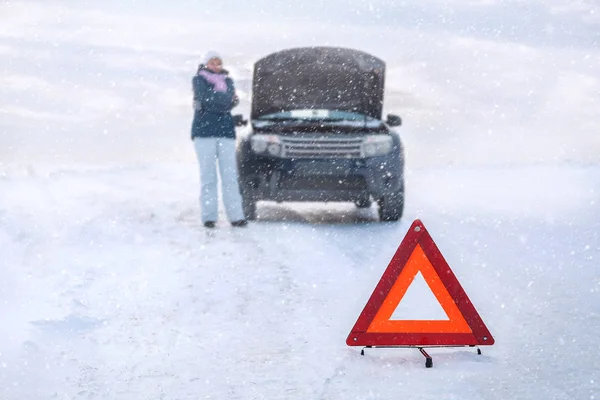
418	253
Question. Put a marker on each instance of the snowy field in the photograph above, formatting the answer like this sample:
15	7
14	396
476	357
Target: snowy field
110	288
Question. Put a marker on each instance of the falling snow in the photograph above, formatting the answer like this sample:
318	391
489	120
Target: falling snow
112	289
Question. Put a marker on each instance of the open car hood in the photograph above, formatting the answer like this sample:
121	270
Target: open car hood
318	78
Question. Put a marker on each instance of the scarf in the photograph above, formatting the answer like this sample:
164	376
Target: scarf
216	80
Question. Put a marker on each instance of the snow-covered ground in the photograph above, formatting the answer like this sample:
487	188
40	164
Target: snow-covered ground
111	289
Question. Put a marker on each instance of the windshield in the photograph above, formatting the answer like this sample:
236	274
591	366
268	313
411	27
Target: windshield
316	115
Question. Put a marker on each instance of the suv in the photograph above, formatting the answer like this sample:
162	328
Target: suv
317	133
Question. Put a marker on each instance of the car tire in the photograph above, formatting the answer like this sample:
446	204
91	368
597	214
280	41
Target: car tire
249	201
391	206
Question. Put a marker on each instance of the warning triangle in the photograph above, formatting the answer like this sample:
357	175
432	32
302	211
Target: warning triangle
418	256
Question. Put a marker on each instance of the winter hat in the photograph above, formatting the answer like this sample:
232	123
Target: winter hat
210	55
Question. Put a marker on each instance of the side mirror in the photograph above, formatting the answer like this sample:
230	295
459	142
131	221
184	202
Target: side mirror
238	120
393	120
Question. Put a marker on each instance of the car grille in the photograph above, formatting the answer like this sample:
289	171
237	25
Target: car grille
321	147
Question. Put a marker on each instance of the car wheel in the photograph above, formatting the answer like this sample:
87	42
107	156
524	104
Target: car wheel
249	201
391	206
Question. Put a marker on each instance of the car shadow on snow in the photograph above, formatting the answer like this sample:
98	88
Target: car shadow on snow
316	213
319	213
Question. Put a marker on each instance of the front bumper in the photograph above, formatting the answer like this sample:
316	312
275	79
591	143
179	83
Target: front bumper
333	179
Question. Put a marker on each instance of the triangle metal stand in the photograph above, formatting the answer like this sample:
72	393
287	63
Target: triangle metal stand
428	359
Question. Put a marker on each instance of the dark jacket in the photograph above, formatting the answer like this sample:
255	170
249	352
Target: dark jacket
212	109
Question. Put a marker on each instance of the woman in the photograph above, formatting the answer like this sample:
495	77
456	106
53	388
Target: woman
213	133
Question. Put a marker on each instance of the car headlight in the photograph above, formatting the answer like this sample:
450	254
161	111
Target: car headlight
270	144
376	145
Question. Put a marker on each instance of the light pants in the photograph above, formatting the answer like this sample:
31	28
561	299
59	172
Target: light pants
211	151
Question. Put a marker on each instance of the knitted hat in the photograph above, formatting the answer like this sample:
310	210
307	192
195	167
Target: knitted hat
210	55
